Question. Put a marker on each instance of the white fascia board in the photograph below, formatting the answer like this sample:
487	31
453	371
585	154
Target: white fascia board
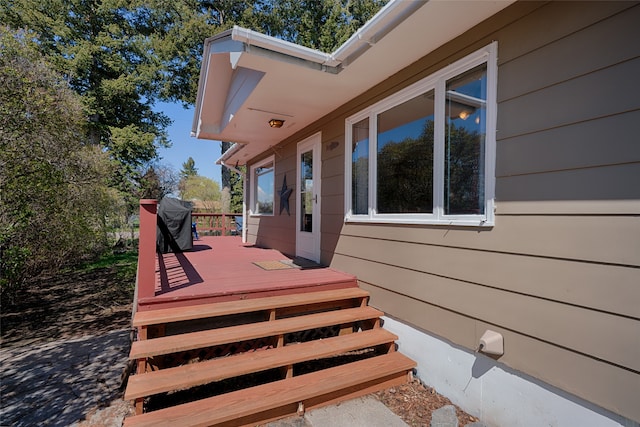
220	43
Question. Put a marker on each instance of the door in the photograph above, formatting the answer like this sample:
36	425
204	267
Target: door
308	198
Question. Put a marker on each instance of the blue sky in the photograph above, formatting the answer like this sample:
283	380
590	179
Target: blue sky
204	152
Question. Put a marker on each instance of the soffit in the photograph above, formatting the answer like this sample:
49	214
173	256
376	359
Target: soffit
235	107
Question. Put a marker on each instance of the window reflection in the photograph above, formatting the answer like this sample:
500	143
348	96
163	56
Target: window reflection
360	168
306	188
465	132
405	157
264	176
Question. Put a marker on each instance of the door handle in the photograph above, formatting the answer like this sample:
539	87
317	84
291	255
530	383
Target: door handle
315	198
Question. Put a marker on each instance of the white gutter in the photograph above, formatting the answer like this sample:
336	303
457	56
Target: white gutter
254	38
373	30
231	151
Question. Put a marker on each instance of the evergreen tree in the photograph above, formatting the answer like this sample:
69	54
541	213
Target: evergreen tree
188	169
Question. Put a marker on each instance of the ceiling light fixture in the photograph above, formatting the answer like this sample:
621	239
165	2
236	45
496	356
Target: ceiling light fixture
276	123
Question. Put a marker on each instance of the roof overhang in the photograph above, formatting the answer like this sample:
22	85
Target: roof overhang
248	78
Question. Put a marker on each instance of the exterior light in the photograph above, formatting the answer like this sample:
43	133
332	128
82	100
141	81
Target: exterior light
276	123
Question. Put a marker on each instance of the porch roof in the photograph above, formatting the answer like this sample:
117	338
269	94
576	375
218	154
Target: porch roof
248	78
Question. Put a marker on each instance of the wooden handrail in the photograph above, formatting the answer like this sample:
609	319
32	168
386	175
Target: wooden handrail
146	275
147	249
222	222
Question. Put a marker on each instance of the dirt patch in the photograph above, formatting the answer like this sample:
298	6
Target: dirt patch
68	305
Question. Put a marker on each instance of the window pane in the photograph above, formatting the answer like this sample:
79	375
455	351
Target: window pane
405	157
465	133
264	189
360	168
306	190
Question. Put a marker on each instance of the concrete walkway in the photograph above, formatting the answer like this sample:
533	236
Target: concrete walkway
360	412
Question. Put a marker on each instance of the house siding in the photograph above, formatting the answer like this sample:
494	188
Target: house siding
277	230
559	273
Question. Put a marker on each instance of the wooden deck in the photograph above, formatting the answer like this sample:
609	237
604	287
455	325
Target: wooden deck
222	268
303	333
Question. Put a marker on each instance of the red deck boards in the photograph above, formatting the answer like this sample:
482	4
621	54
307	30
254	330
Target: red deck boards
222	269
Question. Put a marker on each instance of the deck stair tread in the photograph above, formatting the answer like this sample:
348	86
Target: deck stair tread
167	315
192	375
209	338
263	398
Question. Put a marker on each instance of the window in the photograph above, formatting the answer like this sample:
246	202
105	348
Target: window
427	153
262	187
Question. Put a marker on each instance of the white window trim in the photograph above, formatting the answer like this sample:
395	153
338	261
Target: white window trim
436	81
254	184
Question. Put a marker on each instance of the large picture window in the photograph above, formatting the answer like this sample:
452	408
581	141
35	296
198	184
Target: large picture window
427	153
263	187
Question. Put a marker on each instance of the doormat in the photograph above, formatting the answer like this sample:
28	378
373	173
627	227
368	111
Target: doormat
272	265
301	263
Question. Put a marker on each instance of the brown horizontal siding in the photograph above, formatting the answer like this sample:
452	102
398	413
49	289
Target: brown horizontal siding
599	94
333	168
616	182
560	61
332	188
571	282
592	379
454	327
547	24
569	207
556	149
608	240
332	205
571	327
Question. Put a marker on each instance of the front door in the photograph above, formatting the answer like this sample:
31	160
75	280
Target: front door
308	198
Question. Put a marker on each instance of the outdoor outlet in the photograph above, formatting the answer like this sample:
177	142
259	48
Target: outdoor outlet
491	343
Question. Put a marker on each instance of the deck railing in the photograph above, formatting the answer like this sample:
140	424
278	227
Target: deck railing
146	278
219	224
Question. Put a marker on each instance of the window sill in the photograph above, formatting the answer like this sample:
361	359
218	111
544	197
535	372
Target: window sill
458	222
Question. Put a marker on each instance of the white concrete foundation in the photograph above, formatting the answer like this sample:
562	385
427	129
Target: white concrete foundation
496	394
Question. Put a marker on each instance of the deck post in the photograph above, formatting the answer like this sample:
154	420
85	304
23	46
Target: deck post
147	249
224	225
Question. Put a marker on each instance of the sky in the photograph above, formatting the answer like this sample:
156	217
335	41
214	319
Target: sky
204	152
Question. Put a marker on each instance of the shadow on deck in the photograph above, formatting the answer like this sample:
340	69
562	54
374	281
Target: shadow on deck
222	268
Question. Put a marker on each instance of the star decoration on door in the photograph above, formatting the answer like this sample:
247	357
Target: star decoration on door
285	193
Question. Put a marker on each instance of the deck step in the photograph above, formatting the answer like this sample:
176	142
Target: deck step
210	338
280	398
168	315
192	375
